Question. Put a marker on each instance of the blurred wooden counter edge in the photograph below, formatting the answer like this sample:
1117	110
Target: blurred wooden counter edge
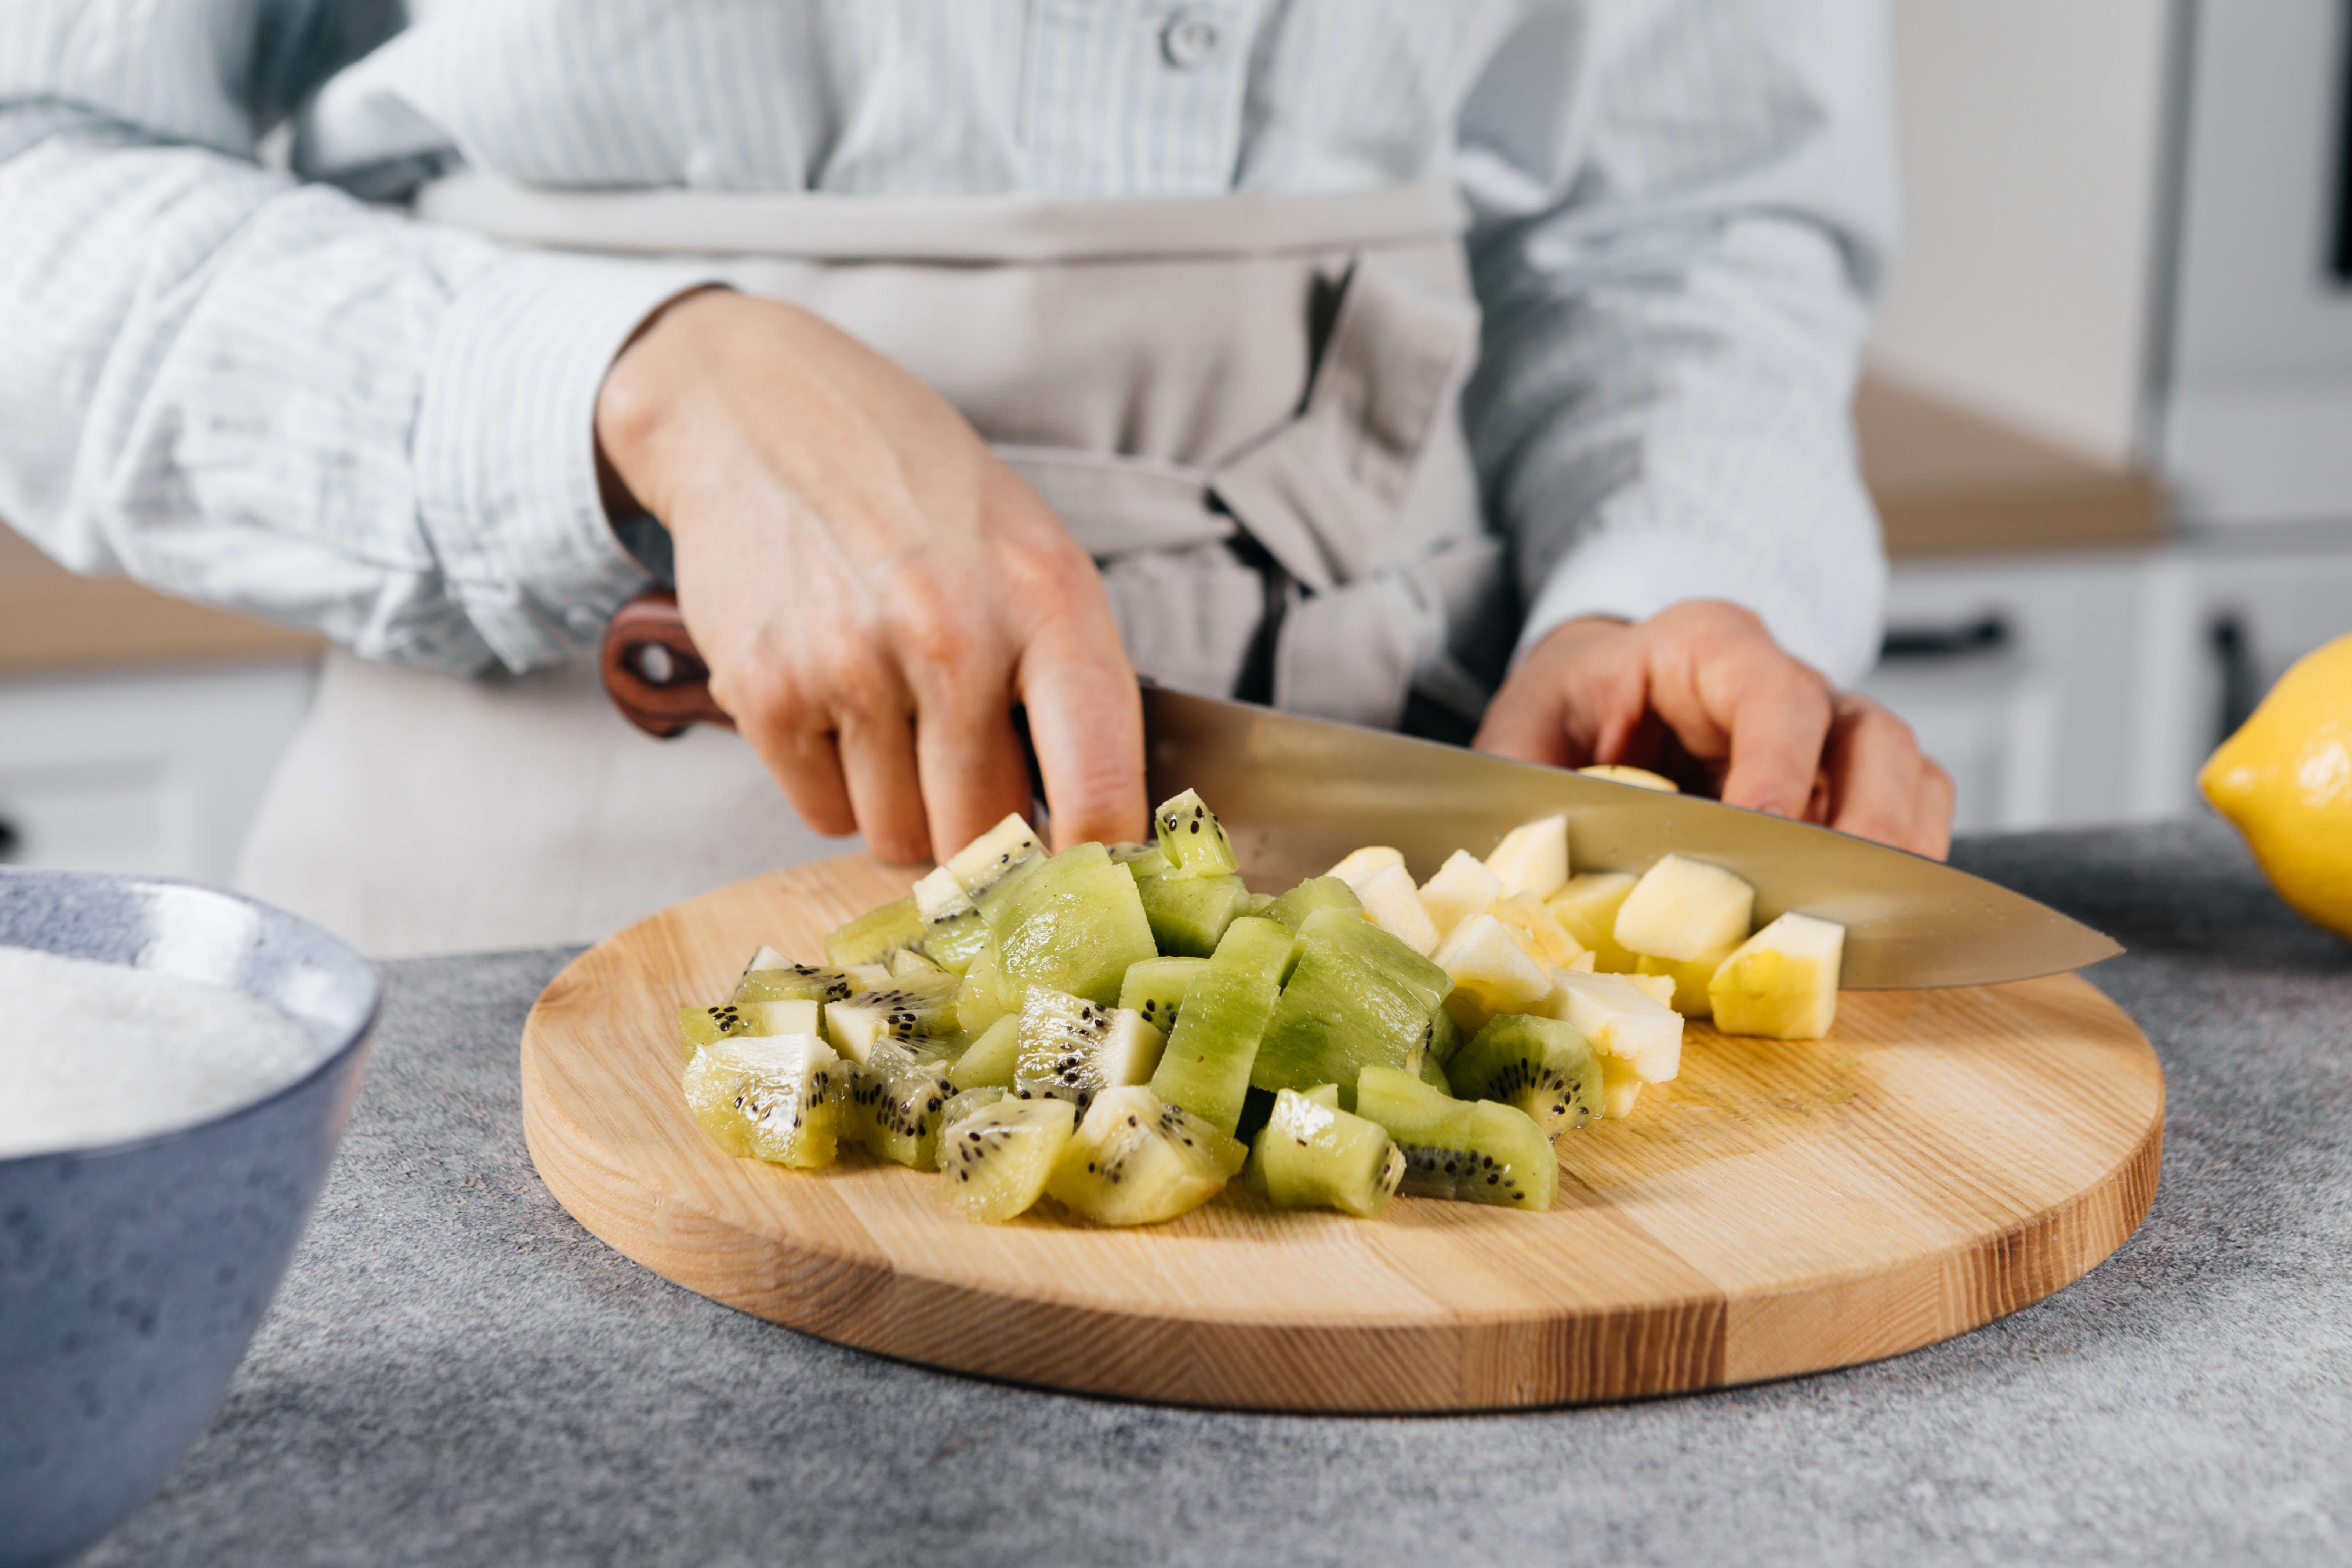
1946	481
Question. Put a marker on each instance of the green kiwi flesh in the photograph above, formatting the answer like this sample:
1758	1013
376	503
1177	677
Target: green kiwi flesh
792	983
1356	996
1192	840
1311	1154
874	935
699	1026
1072	922
777	1098
1157	987
994	1159
988	859
988	993
897	1098
1134	1160
1206	1066
988	1061
914	1008
1188	914
1071	1049
1472	1151
1544	1067
1315	893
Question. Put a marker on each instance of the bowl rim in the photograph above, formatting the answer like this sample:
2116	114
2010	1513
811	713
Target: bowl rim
326	1064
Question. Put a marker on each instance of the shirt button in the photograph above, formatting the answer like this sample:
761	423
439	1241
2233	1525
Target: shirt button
1192	37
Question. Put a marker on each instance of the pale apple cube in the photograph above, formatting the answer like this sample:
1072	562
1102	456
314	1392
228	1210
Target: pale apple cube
1361	865
1532	858
1394	905
1684	909
1621	1086
1462	887
1622	1020
1687	984
1781	983
1587	910
1490	974
1539	933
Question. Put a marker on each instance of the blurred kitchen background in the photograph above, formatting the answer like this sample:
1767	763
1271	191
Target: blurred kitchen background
2108	419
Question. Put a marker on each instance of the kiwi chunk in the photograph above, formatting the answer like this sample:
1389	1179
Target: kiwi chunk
1315	893
1356	997
994	1159
777	1098
1315	1155
988	1062
897	1101
1206	1066
1192	840
996	854
1188	914
699	1026
1542	1066
988	993
1134	1160
1072	922
1157	987
874	935
1141	860
915	1006
1472	1151
1071	1049
783	982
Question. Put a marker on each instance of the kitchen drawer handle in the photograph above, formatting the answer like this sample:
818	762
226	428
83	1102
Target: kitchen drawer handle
1986	634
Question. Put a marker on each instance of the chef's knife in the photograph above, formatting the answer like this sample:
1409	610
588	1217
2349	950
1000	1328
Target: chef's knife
1296	794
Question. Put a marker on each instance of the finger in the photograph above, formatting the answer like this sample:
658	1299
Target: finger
969	761
1086	720
806	765
1932	831
1779	718
1876	775
1578	697
1528	720
877	763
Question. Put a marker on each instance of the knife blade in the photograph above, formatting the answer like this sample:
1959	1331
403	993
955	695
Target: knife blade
1296	794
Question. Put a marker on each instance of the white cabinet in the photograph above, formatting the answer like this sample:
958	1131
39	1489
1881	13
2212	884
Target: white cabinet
153	771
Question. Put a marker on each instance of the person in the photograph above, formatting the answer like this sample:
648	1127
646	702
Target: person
1479	368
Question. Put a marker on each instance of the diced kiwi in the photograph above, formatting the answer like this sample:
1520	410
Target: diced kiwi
1073	1049
1356	996
1155	988
1072	922
1314	1155
782	981
1472	1151
874	935
1192	840
771	1096
1435	1074
915	1007
1258	903
1188	914
1141	860
766	957
899	1093
1313	894
994	1159
952	928
1542	1066
988	1062
699	1026
988	993
988	859
909	960
1134	1160
1206	1066
965	1101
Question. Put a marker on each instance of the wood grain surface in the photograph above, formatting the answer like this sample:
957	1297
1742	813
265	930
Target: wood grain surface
1941	1159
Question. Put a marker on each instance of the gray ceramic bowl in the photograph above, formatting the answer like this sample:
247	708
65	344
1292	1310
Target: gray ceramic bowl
132	1276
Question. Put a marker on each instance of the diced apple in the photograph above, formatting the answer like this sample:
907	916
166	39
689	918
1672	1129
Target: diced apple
1539	933
1686	987
1394	905
1532	858
1658	988
1684	910
1490	974
1621	1086
1587	910
1363	864
1781	983
1462	887
1622	1020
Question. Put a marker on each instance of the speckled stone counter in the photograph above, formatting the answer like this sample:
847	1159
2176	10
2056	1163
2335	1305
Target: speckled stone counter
457	1373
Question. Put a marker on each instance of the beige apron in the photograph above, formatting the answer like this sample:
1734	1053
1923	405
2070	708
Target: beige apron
1244	408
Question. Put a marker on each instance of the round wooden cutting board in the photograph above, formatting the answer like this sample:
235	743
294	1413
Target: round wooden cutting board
1943	1158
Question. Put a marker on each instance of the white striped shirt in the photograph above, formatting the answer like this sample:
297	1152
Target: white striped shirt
242	383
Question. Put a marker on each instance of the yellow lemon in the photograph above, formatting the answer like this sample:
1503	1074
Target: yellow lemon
2285	780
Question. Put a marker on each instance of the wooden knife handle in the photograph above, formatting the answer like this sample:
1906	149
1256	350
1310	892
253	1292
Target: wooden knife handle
652	672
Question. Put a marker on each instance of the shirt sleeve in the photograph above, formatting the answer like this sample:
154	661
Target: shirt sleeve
264	394
1683	212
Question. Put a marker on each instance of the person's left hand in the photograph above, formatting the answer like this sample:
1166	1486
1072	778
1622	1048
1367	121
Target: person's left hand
1702	683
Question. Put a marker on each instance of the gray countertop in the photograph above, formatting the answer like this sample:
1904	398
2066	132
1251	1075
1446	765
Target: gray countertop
454	1372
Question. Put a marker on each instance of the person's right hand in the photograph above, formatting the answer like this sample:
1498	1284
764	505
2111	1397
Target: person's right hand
872	588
